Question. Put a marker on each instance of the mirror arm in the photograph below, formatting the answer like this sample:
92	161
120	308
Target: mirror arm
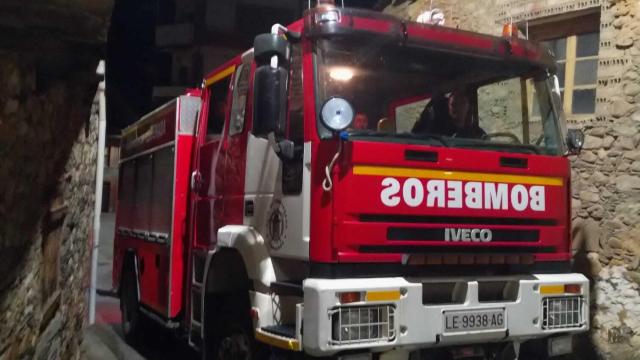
285	148
294	37
273	141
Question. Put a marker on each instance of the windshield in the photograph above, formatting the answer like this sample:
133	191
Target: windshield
415	95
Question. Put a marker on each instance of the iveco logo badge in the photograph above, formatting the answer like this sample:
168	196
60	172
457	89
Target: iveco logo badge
276	225
467	235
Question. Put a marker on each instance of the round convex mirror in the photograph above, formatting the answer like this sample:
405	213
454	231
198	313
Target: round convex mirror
337	114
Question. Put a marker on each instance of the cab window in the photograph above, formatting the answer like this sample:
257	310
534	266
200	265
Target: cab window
217	106
239	102
292	170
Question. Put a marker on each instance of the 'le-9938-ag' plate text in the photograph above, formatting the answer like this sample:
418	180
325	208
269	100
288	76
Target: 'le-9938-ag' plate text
474	320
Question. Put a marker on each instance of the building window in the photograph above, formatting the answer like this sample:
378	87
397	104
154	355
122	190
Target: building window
575	42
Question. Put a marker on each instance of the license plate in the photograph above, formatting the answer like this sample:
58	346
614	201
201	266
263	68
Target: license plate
474	320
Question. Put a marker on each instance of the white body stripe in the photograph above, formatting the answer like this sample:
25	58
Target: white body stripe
263	186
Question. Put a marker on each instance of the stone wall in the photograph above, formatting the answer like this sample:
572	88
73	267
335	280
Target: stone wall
606	175
49	50
48	146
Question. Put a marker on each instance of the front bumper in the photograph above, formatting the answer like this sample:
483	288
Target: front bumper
410	322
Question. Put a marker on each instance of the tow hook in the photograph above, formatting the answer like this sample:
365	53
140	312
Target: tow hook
327	184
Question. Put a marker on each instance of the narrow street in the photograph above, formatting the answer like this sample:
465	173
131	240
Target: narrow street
159	344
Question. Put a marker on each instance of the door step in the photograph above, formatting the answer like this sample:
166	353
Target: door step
288	331
280	336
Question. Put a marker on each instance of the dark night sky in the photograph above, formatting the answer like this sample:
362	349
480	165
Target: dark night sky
134	63
130	65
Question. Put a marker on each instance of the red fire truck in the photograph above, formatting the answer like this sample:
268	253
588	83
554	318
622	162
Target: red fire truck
255	213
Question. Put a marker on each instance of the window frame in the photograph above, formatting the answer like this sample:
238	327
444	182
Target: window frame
567	26
224	78
242	72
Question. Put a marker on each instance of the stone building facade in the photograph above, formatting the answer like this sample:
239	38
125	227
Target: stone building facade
49	51
606	175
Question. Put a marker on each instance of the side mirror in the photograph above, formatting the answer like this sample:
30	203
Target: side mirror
269	101
271	53
575	141
271	79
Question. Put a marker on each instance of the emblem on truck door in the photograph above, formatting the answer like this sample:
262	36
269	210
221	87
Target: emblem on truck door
276	225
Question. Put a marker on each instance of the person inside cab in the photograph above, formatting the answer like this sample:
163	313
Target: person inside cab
449	116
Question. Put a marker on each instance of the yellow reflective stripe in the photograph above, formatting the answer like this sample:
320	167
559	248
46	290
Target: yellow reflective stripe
278	341
551	289
390	295
221	75
455	175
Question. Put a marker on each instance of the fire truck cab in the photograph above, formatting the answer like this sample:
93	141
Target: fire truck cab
356	186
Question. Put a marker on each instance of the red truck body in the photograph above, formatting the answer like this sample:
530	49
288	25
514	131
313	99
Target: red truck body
207	206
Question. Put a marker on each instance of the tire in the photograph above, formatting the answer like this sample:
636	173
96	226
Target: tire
132	319
228	328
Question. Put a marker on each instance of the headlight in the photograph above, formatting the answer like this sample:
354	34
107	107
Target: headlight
358	324
336	114
562	312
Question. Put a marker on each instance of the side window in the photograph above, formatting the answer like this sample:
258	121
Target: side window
292	170
239	102
295	131
217	106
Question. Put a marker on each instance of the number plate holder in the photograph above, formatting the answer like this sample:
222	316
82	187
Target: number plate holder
476	320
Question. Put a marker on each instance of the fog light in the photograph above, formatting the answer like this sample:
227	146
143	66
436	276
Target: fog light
562	312
362	324
560	345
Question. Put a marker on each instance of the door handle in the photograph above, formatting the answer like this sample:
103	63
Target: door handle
196	180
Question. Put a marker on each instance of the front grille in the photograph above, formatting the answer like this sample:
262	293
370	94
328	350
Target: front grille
362	324
440	234
463	220
562	312
456	249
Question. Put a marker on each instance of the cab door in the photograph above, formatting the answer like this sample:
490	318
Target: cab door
207	179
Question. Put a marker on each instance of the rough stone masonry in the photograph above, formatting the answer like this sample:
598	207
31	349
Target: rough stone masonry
49	50
606	176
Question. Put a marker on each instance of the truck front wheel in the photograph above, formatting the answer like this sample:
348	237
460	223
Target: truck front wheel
227	327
